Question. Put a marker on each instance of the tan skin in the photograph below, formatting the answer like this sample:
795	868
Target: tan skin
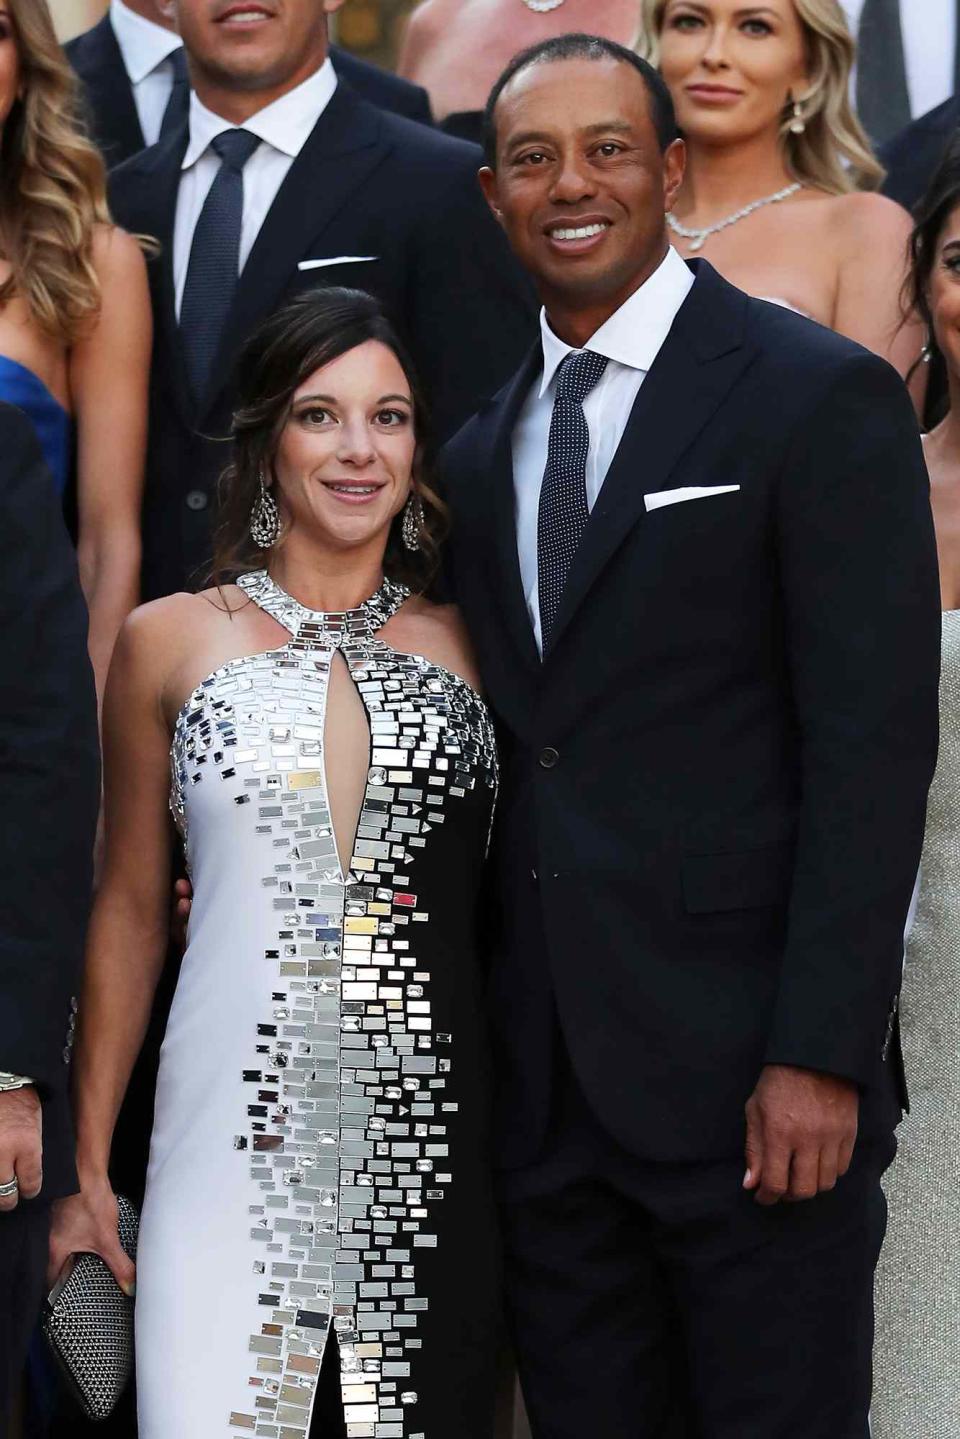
942	445
351	424
112	360
458	48
732	68
240	65
576	144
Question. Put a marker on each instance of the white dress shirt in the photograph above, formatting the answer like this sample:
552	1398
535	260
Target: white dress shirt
631	340
283	127
929	29
146	49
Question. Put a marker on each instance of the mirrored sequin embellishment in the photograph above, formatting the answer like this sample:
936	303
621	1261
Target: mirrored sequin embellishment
346	1178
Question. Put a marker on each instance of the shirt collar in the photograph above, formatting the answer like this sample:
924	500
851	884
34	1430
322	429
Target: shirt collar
285	124
635	333
143	44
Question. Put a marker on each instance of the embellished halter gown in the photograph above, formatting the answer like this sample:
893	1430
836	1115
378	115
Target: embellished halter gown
318	1165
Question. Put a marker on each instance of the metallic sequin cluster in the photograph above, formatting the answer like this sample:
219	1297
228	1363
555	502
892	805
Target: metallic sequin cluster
347	1103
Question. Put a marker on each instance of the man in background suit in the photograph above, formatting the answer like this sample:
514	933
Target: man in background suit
908	60
49	784
692	543
135	84
289	177
911	158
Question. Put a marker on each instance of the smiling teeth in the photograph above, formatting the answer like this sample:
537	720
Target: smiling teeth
354	489
583	232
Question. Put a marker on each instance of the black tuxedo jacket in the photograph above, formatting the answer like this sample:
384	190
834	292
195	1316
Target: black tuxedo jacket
714	784
911	158
112	111
50	781
365	183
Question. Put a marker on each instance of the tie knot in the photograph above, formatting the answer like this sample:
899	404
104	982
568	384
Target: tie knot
579	372
235	147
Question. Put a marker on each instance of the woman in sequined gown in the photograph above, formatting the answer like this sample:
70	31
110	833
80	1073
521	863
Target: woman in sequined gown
917	1355
318	1186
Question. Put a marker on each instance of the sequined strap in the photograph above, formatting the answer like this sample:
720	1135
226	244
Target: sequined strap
368	618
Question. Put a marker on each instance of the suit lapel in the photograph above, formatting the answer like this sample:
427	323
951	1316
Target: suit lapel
700	360
496	462
160	170
122	135
318	184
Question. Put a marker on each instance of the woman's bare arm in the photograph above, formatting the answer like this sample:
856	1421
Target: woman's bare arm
109	371
872	235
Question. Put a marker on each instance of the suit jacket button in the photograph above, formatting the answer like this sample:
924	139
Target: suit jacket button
196	500
548	757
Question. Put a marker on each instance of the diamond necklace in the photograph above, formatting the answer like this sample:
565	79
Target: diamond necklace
699	236
543	7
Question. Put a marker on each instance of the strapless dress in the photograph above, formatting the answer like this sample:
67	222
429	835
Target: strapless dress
52	423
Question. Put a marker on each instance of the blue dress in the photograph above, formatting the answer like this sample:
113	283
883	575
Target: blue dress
53	424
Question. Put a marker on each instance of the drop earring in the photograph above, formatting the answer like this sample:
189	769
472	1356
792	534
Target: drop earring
412	523
798	124
264	519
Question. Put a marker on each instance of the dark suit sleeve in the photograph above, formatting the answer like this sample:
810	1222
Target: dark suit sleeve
862	613
471	310
49	764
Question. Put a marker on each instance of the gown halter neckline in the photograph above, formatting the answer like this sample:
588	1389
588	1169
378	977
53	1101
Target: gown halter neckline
329	626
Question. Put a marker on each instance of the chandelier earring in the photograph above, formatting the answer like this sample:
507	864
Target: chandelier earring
412	523
264	518
798	124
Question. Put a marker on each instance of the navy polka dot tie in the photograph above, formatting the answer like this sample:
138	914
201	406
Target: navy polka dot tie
214	259
563	495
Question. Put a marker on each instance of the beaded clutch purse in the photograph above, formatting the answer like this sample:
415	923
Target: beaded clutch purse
88	1323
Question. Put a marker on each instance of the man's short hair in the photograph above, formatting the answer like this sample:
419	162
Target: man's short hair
583	47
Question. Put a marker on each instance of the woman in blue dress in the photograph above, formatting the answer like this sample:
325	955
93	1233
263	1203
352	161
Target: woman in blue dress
75	325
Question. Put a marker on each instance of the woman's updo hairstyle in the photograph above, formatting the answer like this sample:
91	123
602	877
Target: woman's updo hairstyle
306	333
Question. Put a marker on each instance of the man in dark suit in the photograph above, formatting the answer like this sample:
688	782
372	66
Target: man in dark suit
692	543
49	781
319	188
134	80
911	157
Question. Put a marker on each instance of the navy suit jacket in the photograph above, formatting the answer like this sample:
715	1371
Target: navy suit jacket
714	784
911	158
50	782
112	112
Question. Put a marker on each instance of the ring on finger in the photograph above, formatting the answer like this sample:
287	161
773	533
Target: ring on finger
11	1187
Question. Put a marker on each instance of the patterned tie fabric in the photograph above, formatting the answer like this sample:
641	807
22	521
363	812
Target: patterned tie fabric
883	99
179	102
563	511
214	259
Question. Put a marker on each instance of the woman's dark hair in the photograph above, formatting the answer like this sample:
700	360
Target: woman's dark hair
285	350
930	215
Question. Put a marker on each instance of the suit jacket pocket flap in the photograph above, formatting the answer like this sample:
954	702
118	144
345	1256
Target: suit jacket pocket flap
746	879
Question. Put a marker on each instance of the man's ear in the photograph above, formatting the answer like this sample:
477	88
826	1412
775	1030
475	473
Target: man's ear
490	188
674	165
167	12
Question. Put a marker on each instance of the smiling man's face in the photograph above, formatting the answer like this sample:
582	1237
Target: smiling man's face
254	45
581	184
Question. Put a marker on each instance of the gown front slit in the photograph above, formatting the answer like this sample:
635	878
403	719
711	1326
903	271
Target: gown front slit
319	1162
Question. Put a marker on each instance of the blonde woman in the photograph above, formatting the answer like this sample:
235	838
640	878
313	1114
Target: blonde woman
75	324
779	170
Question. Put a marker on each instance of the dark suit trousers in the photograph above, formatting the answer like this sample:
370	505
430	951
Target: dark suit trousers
652	1300
23	1265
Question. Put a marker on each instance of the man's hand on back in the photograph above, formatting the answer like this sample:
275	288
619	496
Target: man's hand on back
21	1154
801	1132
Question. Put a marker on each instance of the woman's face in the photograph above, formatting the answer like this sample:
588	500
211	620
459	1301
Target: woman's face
343	465
732	67
944	292
9	64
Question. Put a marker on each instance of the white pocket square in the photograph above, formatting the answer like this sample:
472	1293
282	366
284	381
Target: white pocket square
336	260
660	498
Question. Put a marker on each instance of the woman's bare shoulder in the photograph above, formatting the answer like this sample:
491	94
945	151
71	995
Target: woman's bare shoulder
437	632
863	217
